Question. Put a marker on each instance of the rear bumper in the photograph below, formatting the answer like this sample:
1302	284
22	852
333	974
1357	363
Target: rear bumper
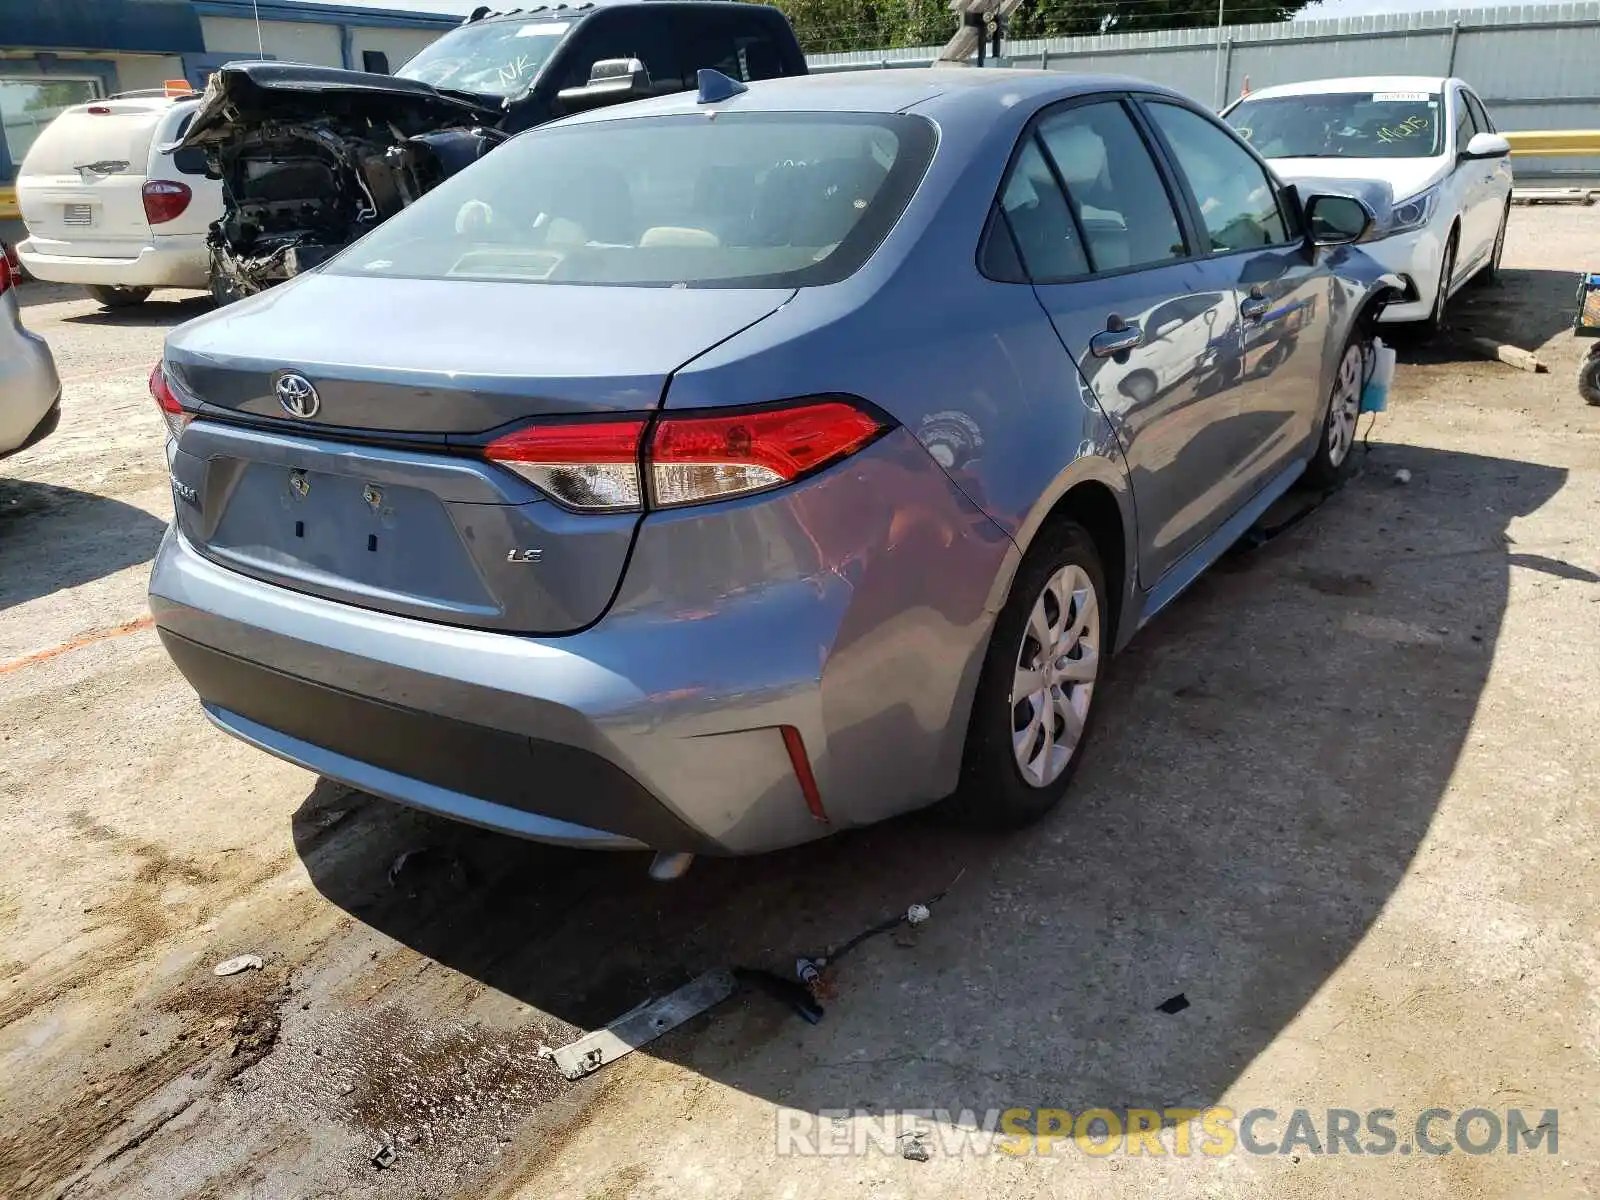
660	726
177	262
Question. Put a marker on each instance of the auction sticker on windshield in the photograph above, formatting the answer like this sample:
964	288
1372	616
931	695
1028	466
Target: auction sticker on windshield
544	29
1399	97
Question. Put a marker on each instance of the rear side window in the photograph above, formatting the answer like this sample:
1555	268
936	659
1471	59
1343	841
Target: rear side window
1046	236
1116	191
1238	199
191	161
747	200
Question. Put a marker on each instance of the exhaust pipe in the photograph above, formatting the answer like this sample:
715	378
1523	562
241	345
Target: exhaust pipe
665	867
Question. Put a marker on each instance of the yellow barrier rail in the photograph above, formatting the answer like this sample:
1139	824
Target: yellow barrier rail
8	204
1552	142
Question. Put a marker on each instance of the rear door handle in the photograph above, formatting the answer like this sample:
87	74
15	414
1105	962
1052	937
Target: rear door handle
1111	342
1254	308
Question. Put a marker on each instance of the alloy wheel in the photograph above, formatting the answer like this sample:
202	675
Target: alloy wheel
1344	408
1053	684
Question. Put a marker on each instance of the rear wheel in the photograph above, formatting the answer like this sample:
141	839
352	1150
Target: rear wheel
1033	707
119	297
1331	462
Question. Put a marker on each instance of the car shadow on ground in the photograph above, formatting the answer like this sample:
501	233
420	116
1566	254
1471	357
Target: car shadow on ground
1526	310
53	538
164	308
1269	756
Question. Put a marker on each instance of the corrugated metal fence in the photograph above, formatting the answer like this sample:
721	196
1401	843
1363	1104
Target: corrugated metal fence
1535	66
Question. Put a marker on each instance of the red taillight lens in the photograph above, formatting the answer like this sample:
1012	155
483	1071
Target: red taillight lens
706	457
165	200
167	401
6	276
589	464
692	457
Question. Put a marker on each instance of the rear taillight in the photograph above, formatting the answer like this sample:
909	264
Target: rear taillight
7	273
691	457
165	200
166	399
591	465
696	458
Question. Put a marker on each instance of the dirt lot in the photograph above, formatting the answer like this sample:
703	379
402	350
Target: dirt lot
1342	798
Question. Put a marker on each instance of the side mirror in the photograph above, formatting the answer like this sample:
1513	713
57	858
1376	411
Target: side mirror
1337	220
1486	145
611	81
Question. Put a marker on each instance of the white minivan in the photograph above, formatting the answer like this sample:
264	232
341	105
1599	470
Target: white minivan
105	207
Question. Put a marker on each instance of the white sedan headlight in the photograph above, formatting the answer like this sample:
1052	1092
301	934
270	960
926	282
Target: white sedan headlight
1412	213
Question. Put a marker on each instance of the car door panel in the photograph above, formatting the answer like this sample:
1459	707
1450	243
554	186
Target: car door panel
1280	287
1161	371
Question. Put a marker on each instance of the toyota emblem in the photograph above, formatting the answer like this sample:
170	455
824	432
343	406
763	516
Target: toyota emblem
297	396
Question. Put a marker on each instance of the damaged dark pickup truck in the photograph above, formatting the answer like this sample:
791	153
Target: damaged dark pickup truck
311	158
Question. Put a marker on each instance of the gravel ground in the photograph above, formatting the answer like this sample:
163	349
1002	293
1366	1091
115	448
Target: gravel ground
1342	798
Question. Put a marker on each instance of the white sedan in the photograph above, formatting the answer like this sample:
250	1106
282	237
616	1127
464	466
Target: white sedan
1429	140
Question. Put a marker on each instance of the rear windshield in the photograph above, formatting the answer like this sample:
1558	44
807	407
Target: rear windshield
114	143
1343	125
499	58
745	200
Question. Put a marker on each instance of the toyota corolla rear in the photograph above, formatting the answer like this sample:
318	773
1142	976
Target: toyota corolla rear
465	519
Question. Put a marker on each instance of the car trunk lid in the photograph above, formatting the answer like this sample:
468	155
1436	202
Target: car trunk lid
382	497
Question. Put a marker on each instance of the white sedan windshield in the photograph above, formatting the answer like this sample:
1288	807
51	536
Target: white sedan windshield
1343	125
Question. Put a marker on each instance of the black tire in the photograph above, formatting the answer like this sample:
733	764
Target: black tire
1330	464
1434	322
1491	275
119	297
1589	376
993	793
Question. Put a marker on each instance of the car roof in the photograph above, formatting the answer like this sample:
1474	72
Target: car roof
926	89
1354	83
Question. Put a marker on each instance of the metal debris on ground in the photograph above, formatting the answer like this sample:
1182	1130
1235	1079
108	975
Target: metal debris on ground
644	1024
384	1157
1402	476
1173	1004
241	962
917	914
914	1148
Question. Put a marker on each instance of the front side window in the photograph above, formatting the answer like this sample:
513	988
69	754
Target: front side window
490	58
1238	200
747	200
1121	204
626	33
1342	125
1465	125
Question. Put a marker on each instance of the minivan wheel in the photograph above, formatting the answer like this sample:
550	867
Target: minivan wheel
1034	705
1331	462
119	297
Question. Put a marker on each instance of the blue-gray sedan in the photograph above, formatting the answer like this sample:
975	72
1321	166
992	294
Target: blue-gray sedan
713	473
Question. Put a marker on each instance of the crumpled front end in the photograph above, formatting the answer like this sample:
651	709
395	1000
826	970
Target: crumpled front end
311	159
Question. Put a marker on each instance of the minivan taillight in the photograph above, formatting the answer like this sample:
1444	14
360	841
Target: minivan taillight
165	200
691	458
166	399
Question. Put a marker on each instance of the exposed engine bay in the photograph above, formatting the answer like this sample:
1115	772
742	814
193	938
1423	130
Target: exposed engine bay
311	158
